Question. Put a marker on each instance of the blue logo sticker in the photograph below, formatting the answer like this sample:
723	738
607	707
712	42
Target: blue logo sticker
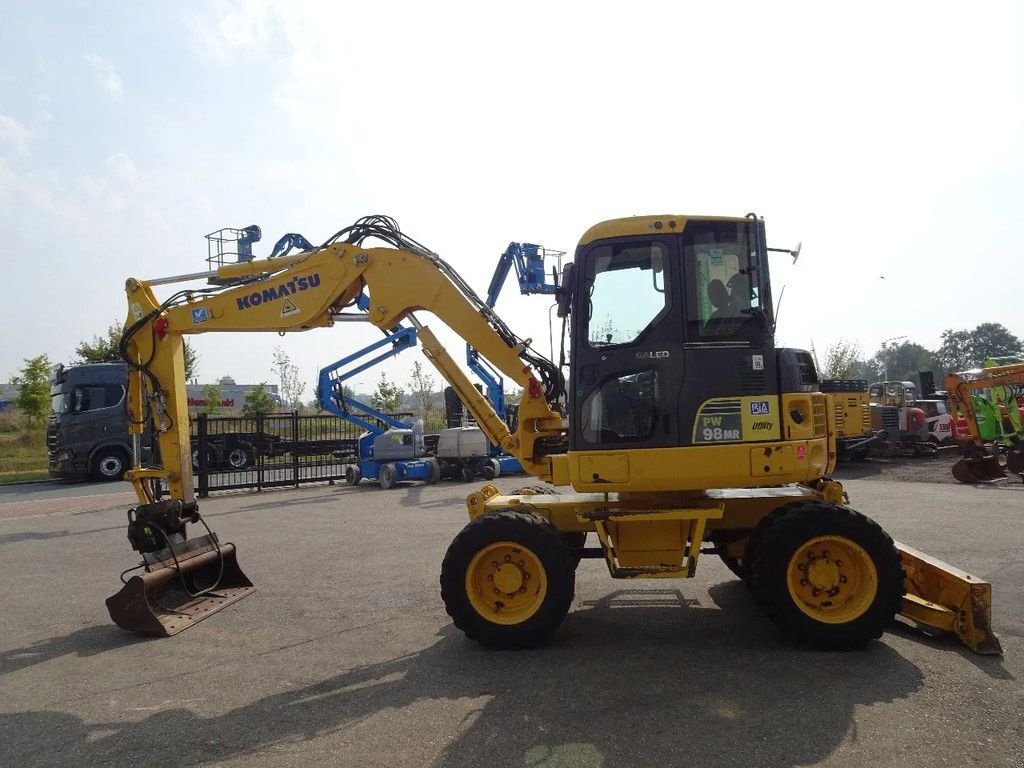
199	315
759	408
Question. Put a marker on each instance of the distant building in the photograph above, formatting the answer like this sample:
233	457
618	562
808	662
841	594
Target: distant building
232	394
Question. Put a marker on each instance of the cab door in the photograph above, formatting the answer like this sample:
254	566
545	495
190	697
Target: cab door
627	345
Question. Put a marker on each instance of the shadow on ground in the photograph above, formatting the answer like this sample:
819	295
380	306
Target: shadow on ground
88	641
638	677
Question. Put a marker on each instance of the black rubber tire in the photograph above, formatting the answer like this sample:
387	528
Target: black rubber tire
387	476
544	541
487	472
435	472
238	458
782	532
540	490
109	465
466	474
574	542
352	475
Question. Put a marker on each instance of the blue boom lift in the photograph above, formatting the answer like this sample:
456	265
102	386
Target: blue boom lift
528	260
390	451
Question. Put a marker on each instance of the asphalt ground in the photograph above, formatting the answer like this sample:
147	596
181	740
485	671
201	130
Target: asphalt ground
345	656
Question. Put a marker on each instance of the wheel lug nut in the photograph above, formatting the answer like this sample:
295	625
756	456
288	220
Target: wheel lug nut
494	563
803	582
815	592
490	577
522	589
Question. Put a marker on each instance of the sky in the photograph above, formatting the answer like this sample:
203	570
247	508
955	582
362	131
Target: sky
886	137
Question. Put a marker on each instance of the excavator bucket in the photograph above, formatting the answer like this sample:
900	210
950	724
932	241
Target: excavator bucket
170	596
979	470
942	597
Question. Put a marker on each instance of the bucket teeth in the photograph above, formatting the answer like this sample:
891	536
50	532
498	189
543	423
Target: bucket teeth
170	597
984	470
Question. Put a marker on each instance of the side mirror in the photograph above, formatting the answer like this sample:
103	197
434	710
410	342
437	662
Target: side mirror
796	252
564	294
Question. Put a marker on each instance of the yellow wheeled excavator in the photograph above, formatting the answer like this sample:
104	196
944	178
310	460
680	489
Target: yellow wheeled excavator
681	428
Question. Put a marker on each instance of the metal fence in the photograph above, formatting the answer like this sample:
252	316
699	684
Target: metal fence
281	450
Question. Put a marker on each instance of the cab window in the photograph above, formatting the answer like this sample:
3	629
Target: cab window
721	262
626	290
94	397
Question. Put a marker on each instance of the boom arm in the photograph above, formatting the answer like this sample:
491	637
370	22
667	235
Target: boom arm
308	290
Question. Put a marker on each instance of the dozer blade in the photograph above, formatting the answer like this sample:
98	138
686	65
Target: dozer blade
983	470
945	598
158	602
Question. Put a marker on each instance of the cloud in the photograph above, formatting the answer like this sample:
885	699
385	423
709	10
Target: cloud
122	169
237	26
14	134
109	80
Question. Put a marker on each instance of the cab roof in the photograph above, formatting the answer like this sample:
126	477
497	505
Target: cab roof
645	225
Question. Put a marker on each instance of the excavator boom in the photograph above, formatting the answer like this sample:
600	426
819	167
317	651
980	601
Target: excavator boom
294	293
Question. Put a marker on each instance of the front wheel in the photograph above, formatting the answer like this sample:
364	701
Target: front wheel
109	464
506	579
827	576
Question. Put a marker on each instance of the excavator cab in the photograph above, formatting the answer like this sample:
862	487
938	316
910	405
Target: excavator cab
673	349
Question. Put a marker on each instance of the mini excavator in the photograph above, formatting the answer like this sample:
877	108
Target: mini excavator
988	402
681	428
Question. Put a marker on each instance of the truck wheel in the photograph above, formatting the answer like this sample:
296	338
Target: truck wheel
238	458
387	476
506	580
353	475
109	464
827	576
435	472
490	469
467	474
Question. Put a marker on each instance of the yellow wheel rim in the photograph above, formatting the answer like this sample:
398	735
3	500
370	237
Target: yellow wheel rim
506	583
832	579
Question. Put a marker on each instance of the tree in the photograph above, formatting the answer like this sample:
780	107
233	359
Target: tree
842	360
288	374
33	385
387	398
422	390
212	394
901	362
107	349
257	402
962	350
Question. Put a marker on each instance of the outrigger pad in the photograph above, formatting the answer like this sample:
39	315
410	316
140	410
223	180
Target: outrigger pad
156	602
983	470
943	597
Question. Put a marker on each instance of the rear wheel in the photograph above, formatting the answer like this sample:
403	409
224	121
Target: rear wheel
353	475
238	458
467	474
387	476
435	472
506	579
490	469
827	576
109	464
